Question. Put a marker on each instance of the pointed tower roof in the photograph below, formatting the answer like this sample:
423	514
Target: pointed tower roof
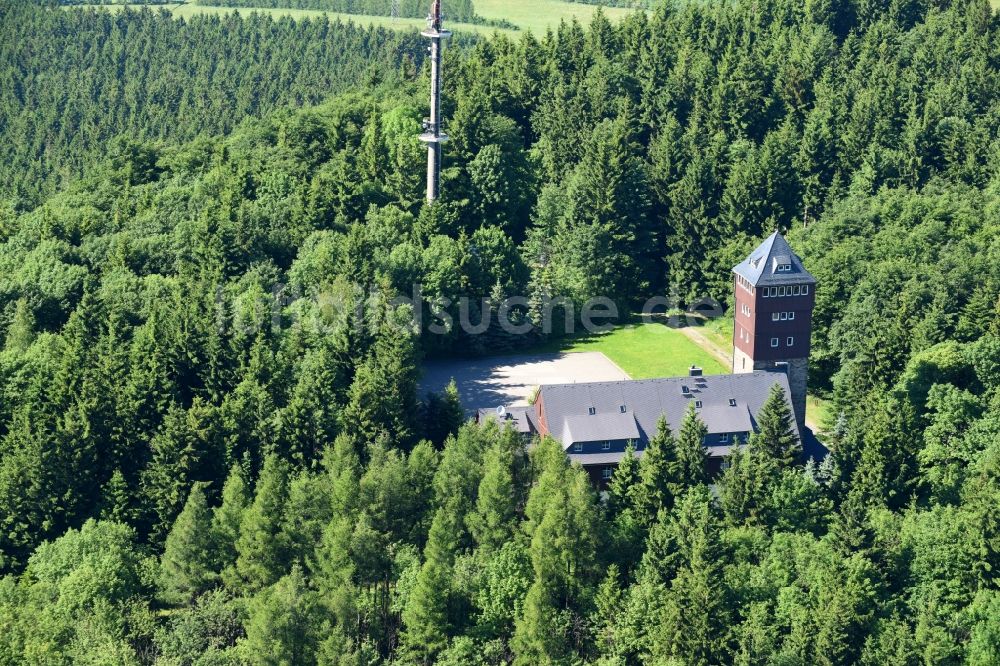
773	262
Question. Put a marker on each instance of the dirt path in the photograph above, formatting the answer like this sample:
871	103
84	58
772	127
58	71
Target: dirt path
726	358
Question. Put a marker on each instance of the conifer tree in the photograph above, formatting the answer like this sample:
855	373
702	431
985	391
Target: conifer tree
443	414
690	467
426	615
262	554
21	331
493	521
774	425
226	521
187	567
284	624
695	617
623	482
656	486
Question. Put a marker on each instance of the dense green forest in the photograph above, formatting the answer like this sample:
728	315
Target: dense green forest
213	450
79	83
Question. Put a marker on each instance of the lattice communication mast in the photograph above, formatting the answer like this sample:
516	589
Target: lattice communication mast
433	136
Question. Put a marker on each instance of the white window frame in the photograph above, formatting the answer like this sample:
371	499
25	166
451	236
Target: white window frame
606	445
791	315
795	290
724	438
775	342
805	290
791	341
784	316
607	473
775	316
592	411
697	404
577	447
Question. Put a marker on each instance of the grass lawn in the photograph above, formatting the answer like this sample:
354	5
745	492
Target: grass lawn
644	351
534	15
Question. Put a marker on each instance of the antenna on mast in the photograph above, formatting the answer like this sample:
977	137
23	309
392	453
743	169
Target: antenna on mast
433	136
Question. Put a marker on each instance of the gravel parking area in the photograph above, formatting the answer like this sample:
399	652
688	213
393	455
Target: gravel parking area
510	380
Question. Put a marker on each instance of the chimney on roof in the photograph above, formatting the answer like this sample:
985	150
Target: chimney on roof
694	371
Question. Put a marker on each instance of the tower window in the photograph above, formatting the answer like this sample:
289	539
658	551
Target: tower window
774	342
805	290
795	290
775	316
784	316
781	291
791	315
791	342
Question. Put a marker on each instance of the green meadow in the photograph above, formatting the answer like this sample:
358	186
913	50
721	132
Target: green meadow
534	15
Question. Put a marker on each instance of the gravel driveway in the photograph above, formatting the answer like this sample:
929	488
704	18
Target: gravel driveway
510	380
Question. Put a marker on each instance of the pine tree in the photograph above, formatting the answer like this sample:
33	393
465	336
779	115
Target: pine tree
262	554
774	425
691	462
187	567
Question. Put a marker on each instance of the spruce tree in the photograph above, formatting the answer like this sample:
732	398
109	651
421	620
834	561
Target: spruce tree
774	425
262	554
695	617
690	469
187	567
656	486
226	521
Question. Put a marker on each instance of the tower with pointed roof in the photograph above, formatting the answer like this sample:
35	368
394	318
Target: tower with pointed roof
775	296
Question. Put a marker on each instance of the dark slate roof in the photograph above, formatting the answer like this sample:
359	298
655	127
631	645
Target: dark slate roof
520	418
614	426
612	458
760	268
567	406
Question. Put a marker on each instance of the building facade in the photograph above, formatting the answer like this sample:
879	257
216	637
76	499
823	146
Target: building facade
772	328
596	421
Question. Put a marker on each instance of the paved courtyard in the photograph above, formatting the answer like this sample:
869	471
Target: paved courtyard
510	380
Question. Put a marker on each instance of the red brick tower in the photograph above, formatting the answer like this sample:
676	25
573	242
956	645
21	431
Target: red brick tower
775	296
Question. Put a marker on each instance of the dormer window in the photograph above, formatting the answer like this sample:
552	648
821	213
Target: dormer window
784	268
685	390
732	402
697	403
622	409
591	410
